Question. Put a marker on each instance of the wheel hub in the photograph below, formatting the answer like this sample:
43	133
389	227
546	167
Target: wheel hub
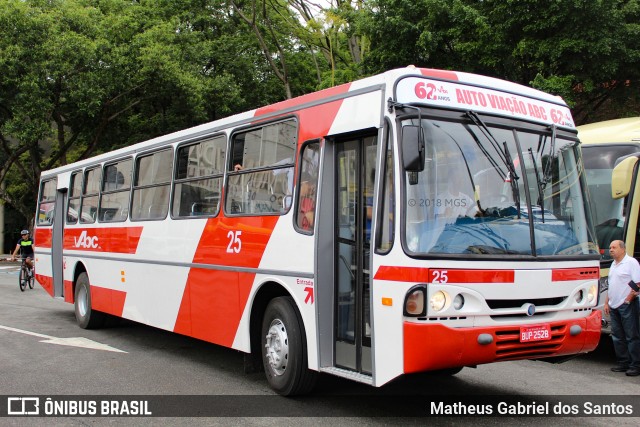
277	347
82	301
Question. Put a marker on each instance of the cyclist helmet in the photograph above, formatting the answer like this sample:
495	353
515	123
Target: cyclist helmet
23	232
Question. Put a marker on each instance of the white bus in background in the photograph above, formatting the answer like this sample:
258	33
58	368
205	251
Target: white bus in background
416	220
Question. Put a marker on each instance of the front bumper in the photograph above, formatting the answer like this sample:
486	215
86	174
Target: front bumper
434	346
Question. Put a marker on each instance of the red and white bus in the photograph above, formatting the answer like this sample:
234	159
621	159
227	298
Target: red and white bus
412	221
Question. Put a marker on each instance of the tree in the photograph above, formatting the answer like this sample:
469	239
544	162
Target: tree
79	77
585	51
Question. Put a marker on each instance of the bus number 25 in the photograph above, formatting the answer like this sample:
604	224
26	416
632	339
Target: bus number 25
439	276
235	244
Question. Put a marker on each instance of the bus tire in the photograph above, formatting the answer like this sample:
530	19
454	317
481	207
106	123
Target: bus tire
86	317
284	349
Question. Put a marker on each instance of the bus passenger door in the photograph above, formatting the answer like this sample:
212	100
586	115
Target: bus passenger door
354	167
56	244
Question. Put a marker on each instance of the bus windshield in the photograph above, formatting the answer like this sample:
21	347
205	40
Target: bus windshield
607	212
496	190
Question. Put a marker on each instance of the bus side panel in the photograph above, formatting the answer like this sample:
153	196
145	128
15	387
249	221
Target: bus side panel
42	250
293	253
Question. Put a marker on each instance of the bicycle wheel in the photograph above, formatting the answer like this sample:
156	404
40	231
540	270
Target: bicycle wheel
31	279
22	279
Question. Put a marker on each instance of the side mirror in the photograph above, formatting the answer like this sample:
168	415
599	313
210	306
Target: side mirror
622	177
413	148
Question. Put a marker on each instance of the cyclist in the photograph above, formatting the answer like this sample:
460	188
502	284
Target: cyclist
25	247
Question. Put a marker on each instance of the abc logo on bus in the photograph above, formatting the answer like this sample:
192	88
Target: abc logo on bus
86	241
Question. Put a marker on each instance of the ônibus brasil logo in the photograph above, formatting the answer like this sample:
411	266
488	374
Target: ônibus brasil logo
86	241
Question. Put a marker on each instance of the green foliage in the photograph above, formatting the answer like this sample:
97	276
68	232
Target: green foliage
584	50
81	77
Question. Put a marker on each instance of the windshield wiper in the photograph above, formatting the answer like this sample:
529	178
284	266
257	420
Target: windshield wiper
504	155
538	182
546	175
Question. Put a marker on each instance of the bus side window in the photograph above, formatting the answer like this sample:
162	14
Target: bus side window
116	189
384	239
90	192
198	178
75	192
47	202
151	186
307	187
261	169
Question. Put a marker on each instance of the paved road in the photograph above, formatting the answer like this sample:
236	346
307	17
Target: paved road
44	353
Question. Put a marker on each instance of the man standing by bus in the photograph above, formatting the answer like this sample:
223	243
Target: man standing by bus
622	306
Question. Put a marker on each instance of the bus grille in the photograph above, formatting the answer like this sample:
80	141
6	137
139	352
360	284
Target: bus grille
509	347
513	303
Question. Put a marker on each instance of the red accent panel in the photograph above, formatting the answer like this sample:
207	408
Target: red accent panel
43	237
122	240
402	274
183	320
213	300
46	282
219	236
418	274
433	346
439	74
214	308
289	103
68	292
107	300
575	274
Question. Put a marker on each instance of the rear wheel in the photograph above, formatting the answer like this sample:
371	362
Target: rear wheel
284	350
22	279
86	316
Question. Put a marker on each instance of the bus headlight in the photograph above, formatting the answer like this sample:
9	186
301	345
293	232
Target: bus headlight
593	294
438	300
458	302
579	296
414	302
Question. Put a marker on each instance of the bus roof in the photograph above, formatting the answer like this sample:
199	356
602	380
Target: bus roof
385	81
610	131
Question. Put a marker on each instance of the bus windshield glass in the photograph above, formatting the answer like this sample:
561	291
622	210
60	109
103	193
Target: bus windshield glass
489	189
607	212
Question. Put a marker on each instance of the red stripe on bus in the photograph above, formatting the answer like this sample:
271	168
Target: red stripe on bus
213	300
441	275
212	305
107	300
68	292
123	240
46	282
439	74
304	99
566	274
43	237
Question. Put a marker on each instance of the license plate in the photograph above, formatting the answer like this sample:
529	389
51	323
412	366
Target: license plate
535	333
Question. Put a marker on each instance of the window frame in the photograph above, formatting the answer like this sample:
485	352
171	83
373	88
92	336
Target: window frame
231	173
135	187
177	181
117	190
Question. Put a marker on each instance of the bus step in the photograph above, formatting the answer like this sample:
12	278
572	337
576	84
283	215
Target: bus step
351	375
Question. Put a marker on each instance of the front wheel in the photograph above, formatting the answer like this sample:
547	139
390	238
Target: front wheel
22	279
86	316
284	350
31	279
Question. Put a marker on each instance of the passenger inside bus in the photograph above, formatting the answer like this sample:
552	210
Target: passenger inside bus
307	202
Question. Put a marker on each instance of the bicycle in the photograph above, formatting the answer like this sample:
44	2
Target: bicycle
26	276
